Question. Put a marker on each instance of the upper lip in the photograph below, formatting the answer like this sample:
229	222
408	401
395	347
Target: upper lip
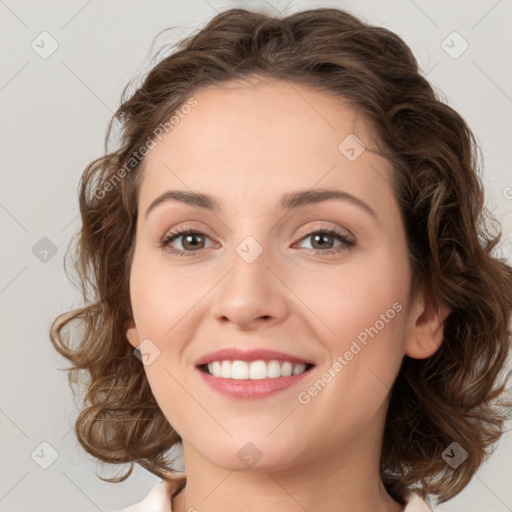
239	354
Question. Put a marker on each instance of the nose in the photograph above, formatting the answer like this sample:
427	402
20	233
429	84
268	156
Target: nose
251	295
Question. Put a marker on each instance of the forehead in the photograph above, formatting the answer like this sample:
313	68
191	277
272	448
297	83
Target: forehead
253	139
238	116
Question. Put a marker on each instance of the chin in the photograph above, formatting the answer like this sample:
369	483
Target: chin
249	453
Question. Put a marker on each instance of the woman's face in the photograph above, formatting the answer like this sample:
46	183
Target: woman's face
270	266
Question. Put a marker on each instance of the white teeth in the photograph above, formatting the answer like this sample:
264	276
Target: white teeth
256	370
273	369
239	370
286	369
298	368
225	370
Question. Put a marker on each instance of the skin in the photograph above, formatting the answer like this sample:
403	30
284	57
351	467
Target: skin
246	145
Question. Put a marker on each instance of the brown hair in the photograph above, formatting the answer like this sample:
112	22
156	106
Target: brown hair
451	396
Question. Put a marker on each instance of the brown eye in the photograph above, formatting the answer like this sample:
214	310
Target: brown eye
323	240
192	242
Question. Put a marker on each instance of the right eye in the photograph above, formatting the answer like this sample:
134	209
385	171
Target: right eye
191	240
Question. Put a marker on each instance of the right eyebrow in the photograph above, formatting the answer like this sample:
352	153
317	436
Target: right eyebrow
196	199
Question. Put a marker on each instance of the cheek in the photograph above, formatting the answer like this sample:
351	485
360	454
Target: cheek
159	295
362	312
350	298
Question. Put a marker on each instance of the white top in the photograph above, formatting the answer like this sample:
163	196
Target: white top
158	498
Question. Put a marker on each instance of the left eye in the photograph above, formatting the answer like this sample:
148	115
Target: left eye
321	235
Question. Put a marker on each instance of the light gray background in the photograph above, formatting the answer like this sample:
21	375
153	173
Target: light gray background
54	115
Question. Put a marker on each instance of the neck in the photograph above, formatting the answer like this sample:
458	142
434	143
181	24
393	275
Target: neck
344	479
275	491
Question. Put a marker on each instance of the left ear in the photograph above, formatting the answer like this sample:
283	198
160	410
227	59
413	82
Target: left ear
426	331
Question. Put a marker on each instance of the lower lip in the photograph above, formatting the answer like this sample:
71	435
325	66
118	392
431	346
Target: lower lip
251	389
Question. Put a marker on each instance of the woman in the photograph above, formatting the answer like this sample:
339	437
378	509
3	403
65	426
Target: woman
291	239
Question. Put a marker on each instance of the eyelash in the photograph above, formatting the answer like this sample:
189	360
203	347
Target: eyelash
346	243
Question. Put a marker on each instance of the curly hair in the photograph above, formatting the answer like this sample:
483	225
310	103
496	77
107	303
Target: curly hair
455	395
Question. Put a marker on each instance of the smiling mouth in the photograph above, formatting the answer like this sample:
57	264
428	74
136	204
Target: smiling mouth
254	370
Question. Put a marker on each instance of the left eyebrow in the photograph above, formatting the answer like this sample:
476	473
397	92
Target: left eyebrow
288	201
292	200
